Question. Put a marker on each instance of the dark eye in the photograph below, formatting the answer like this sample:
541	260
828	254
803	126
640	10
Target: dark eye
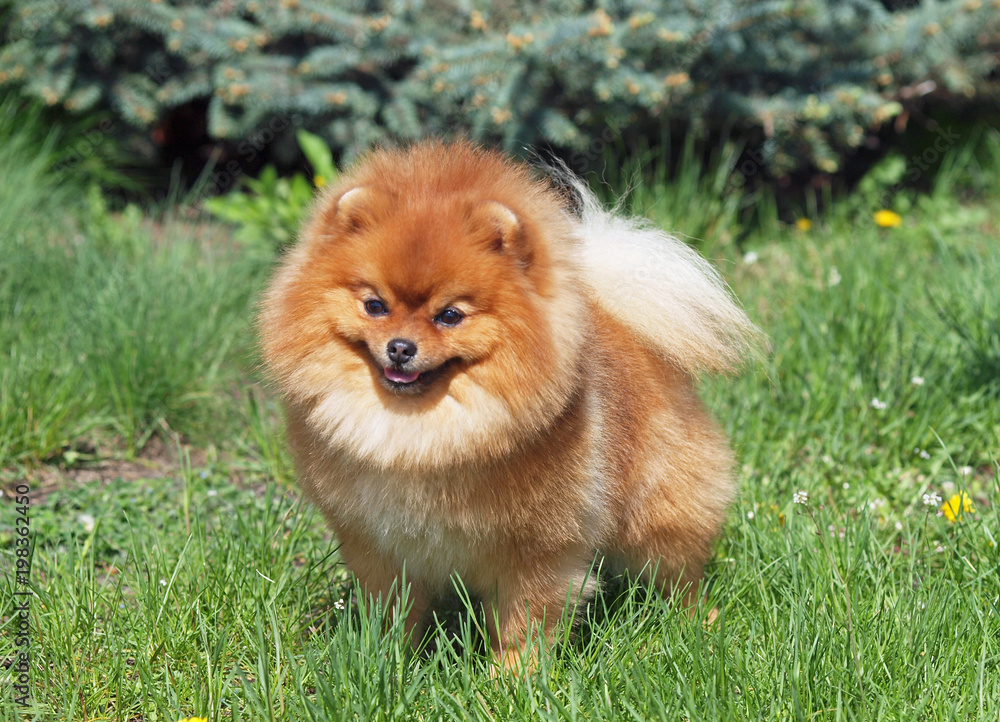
449	317
375	307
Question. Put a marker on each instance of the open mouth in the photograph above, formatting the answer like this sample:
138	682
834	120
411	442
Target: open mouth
400	377
410	382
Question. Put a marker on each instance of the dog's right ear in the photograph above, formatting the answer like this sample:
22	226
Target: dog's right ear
354	209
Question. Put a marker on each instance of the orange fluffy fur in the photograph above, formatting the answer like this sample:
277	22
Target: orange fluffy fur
555	420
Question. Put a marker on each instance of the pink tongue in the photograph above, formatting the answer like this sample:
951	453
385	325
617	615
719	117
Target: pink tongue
400	377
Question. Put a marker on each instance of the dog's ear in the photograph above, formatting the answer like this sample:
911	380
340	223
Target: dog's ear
354	210
504	231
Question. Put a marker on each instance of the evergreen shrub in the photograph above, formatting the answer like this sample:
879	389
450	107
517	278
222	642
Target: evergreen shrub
806	81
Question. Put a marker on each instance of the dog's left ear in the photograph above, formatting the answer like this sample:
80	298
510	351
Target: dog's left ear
505	232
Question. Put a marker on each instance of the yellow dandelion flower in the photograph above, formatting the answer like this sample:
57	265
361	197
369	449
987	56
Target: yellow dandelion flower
803	224
319	181
956	506
194	719
888	219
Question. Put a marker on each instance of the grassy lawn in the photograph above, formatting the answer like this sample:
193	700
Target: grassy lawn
193	583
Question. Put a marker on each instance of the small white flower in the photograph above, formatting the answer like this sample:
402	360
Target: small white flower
846	486
339	604
923	453
917	381
749	515
965	471
163	582
876	404
87	521
212	492
801	497
932	500
834	278
898	526
751	257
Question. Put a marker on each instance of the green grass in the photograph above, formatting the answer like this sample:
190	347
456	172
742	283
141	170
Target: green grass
230	611
211	591
107	334
115	343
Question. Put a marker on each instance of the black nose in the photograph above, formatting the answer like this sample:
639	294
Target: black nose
401	350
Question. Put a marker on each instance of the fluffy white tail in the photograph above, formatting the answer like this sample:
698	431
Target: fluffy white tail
670	296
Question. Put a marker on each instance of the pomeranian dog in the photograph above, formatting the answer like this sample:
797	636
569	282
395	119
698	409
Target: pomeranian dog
485	377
